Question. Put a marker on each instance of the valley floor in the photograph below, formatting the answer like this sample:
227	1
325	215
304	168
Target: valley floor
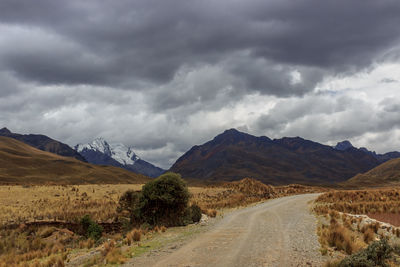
279	232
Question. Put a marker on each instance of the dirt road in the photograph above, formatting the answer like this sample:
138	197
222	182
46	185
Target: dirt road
280	232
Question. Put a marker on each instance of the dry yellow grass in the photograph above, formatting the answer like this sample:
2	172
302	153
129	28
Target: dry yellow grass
339	231
360	201
340	237
229	195
20	204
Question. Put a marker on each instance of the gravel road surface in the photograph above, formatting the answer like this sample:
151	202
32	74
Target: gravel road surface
280	232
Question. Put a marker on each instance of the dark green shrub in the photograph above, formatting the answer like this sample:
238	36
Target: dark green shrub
85	223
374	255
90	229
192	214
130	202
164	200
196	213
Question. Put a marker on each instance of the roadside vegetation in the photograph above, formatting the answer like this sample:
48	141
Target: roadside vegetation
108	224
350	235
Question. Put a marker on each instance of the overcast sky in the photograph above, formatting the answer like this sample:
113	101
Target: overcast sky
164	75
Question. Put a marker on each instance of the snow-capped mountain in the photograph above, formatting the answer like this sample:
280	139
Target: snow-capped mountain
102	153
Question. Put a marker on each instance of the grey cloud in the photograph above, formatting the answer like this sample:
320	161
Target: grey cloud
152	40
389	80
164	75
324	119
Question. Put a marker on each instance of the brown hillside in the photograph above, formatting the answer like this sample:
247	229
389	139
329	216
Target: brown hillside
252	187
23	164
386	174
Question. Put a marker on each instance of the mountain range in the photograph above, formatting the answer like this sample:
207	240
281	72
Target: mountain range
98	152
44	143
102	153
23	164
234	155
230	156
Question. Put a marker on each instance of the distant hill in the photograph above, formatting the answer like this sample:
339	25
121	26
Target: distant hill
234	155
44	143
24	164
101	152
345	145
386	174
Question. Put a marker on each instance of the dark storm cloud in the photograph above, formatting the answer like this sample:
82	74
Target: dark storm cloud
119	42
164	75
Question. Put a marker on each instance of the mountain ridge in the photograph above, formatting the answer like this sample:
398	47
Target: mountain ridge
43	143
233	155
344	145
23	164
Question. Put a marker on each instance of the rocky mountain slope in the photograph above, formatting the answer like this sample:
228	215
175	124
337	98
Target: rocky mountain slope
345	145
24	164
234	155
100	152
44	143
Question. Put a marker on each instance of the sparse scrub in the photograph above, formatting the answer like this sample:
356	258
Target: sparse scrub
90	229
115	256
340	237
369	235
375	254
376	201
132	236
332	263
337	207
136	235
89	243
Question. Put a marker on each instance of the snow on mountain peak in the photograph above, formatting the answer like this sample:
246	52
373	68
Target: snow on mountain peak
123	154
117	151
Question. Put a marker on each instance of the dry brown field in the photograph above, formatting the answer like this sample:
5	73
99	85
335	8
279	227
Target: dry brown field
344	230
372	201
28	237
22	204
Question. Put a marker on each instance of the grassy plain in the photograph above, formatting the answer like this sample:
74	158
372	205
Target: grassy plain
47	245
22	204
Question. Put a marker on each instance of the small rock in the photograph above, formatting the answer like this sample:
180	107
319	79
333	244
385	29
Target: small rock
204	219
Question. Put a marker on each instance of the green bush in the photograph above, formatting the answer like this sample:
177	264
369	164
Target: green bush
94	231
90	229
374	255
196	213
192	214
164	200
